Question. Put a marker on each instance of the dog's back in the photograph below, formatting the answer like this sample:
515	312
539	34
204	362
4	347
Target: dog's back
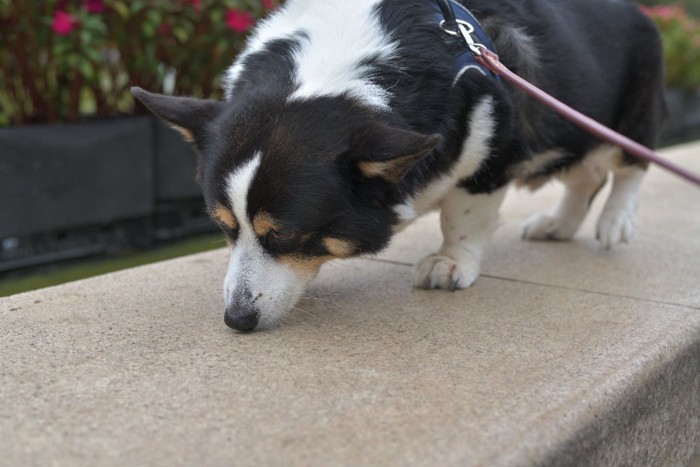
602	57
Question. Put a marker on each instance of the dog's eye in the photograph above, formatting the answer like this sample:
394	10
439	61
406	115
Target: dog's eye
281	240
284	235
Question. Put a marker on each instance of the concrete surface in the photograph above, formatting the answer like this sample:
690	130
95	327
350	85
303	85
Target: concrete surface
559	355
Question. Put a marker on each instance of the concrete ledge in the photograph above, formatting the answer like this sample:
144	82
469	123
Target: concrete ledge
559	355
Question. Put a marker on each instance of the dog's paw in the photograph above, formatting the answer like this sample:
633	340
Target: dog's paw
615	227
548	227
438	271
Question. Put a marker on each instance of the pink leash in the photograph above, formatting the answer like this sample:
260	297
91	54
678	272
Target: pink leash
491	61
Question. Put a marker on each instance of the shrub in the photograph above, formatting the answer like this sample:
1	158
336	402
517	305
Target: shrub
61	60
681	36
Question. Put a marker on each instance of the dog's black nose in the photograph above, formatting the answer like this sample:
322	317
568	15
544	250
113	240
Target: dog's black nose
241	322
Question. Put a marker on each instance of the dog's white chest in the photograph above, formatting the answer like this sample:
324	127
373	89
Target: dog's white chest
475	149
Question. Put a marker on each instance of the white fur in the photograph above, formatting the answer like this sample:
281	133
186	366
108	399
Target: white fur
464	70
617	221
341	35
281	24
254	280
467	222
538	162
475	150
405	213
238	185
581	183
338	35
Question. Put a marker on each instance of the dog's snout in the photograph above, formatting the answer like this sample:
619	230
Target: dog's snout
241	320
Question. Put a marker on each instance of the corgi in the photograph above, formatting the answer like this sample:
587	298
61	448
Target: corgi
344	121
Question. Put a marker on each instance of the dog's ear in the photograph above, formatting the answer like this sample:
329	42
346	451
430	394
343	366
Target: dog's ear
187	115
389	153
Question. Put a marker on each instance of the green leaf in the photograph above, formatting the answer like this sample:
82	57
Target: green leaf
136	6
181	34
122	9
216	16
154	16
61	48
85	37
93	54
149	30
86	69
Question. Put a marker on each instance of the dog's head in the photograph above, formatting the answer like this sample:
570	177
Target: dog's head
292	185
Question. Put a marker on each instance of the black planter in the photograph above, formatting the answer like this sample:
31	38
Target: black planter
176	163
69	176
684	116
88	188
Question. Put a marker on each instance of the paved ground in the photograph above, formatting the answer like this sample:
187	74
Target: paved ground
559	355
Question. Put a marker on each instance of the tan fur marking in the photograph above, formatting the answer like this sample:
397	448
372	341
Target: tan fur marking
225	216
187	135
263	223
304	266
339	248
385	170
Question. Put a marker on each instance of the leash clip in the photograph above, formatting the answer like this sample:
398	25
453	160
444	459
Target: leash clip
464	31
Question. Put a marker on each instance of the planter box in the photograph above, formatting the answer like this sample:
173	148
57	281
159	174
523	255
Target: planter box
90	188
63	177
176	165
684	116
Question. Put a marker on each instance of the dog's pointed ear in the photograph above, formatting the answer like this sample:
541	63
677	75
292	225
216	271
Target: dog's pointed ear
187	115
389	153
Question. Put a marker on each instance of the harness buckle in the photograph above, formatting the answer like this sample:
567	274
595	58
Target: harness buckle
464	31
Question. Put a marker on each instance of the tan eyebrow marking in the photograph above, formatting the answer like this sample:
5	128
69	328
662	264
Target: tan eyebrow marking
339	248
263	223
224	215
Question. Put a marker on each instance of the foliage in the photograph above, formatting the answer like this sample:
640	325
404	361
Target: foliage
61	60
691	6
681	36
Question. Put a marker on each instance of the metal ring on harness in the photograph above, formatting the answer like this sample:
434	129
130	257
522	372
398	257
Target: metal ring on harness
464	30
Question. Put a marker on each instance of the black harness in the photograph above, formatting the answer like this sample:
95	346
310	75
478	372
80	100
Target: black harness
455	19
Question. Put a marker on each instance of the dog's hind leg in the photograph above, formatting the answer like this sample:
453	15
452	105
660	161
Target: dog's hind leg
617	222
467	221
582	182
641	117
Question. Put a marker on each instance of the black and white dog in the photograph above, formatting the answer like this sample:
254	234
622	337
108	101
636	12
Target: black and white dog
345	120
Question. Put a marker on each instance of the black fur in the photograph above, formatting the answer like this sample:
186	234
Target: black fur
602	57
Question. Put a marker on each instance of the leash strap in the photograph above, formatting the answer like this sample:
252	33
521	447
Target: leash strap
488	59
492	62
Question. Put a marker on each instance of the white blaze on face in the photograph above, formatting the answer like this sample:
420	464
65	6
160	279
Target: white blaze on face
254	279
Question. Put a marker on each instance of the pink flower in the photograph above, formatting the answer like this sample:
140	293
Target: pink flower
268	4
164	29
95	6
239	20
665	12
63	23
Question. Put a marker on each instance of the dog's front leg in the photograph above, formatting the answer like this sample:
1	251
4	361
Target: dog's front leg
467	222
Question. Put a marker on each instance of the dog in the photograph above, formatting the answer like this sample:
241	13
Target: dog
344	121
